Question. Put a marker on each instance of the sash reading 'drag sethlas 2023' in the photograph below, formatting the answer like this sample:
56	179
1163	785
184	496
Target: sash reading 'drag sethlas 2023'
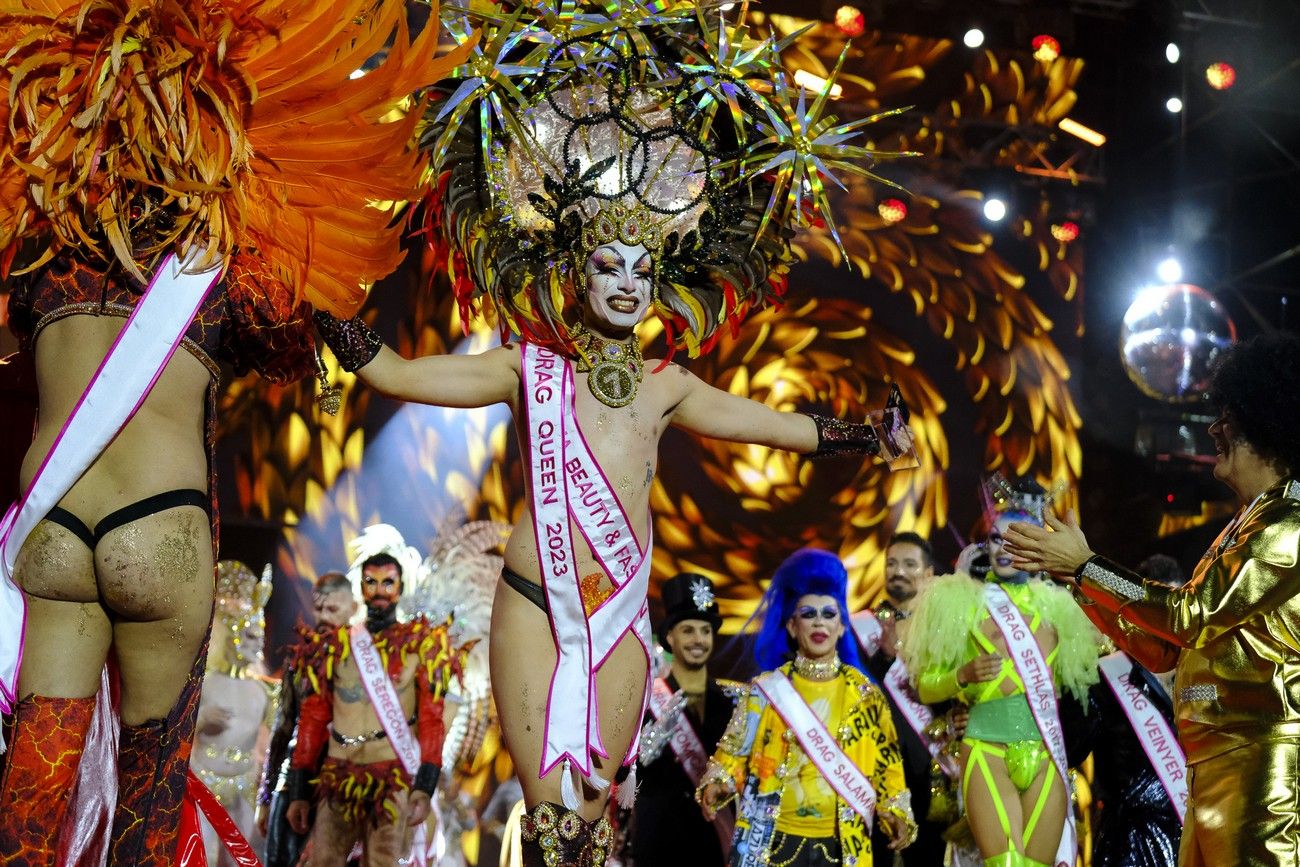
567	484
1040	692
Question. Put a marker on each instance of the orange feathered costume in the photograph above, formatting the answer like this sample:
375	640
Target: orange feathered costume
232	132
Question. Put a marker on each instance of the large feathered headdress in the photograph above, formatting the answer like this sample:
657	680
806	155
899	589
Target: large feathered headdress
657	123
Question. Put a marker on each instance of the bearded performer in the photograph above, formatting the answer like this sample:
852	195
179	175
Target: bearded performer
1229	631
689	710
811	754
333	604
203	173
373	709
234	703
1006	648
619	189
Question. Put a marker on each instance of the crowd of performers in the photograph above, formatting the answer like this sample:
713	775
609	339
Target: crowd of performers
230	178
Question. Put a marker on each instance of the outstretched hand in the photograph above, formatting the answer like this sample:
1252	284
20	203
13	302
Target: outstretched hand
1060	548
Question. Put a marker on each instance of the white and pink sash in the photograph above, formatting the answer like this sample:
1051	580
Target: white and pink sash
1151	728
114	394
848	781
690	753
567	487
866	626
918	716
388	707
1040	691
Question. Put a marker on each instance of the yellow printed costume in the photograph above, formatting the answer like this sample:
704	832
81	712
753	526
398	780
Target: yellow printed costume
782	793
1234	633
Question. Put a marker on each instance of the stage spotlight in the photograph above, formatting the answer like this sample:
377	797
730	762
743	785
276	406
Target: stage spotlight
1172	52
1170	270
1065	232
815	83
974	38
850	21
892	211
1221	76
994	210
1174	104
1046	48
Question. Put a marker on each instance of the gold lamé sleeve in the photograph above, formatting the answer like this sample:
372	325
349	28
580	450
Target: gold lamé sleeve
1253	575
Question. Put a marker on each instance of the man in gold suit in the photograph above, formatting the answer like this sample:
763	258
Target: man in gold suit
1233	630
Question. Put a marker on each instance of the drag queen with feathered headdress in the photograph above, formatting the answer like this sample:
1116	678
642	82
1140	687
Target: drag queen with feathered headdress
594	163
1007	647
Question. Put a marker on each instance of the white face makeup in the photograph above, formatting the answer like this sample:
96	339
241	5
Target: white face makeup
618	287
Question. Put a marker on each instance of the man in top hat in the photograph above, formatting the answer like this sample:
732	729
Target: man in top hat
688	714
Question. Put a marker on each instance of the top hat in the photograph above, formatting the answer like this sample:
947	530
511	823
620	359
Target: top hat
688	596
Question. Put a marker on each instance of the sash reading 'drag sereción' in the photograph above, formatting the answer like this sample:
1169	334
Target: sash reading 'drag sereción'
569	486
1040	691
852	786
1151	728
388	707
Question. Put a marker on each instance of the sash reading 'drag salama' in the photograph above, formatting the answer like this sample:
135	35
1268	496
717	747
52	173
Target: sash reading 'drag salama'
568	485
918	716
1151	728
1040	692
852	786
690	753
119	387
388	707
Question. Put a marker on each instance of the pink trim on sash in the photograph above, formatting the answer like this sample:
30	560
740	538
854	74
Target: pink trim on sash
1152	730
918	716
118	389
866	626
572	730
1040	692
848	781
691	755
388	707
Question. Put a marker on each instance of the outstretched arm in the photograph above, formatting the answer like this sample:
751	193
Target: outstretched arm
463	381
712	412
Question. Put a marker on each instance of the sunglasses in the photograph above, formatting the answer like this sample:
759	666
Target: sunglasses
807	612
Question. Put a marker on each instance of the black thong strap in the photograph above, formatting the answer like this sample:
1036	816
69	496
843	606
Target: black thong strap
125	515
72	524
525	588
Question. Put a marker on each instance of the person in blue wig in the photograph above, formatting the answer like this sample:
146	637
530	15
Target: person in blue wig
811	751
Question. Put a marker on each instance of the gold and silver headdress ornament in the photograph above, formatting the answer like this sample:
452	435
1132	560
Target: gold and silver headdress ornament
1024	497
650	122
241	598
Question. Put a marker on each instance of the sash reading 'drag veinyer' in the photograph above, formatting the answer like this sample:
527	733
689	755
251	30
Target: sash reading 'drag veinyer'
567	486
1151	729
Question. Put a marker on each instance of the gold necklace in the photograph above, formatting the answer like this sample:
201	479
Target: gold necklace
614	370
811	669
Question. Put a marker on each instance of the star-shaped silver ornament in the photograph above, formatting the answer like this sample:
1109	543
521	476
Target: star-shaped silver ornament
702	595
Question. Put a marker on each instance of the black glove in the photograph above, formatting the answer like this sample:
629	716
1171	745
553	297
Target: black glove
355	344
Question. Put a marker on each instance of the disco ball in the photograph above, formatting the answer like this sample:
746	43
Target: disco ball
1172	336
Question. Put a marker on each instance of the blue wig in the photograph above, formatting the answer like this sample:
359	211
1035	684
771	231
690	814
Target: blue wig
806	572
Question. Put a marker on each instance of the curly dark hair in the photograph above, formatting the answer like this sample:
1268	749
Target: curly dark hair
1249	386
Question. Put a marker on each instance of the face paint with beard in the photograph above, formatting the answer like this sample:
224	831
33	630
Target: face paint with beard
381	587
